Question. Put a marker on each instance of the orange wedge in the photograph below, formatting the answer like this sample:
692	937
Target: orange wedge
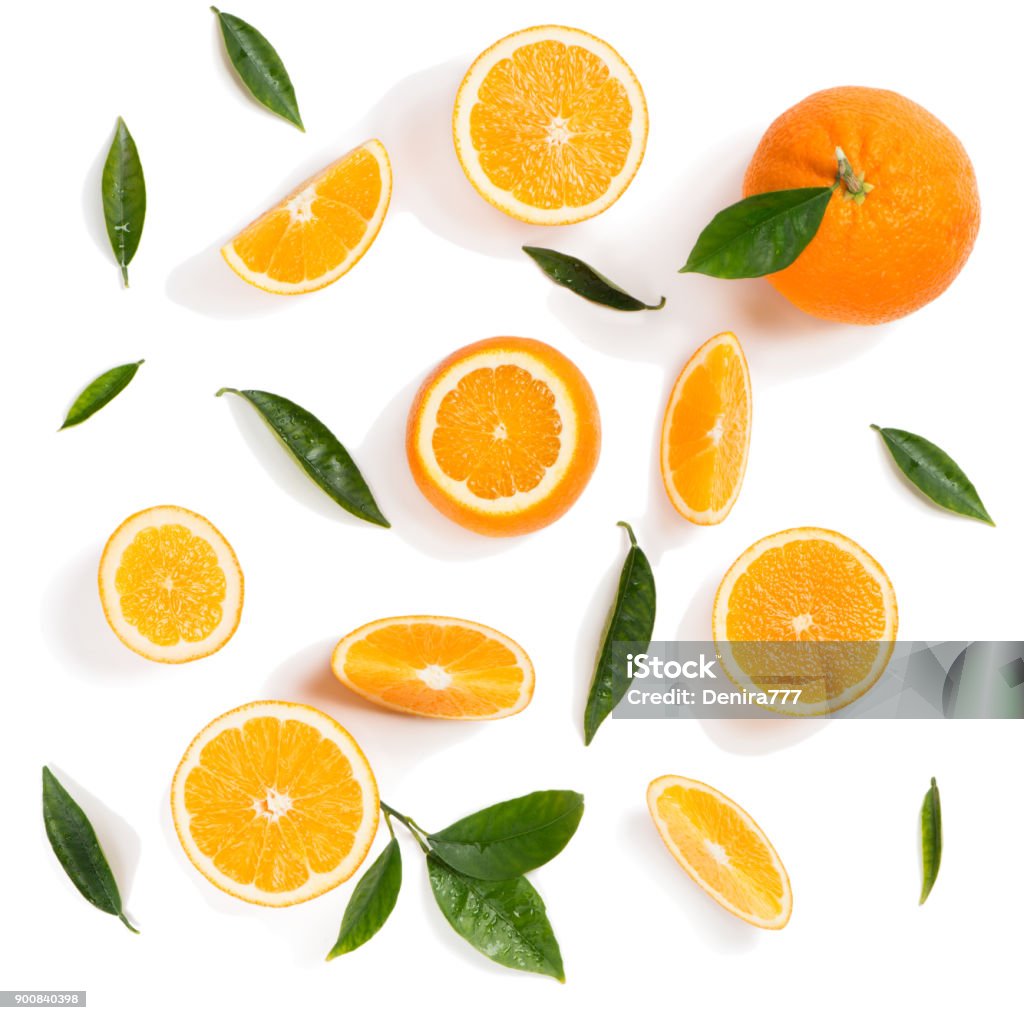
810	609
705	434
436	666
275	803
550	125
722	849
170	585
504	435
319	231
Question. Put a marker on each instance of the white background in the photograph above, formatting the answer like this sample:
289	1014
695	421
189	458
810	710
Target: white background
839	800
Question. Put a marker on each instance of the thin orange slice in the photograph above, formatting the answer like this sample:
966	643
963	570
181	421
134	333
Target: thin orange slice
436	666
806	608
504	435
550	125
722	849
319	231
275	803
705	435
170	585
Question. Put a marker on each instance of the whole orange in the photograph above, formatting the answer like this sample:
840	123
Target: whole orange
904	219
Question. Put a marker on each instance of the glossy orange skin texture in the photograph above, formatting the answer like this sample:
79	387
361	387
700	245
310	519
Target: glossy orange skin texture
906	242
571	486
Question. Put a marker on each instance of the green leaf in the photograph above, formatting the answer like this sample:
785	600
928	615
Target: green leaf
508	839
74	842
124	197
260	68
318	452
506	921
931	839
100	392
631	619
372	901
934	473
759	235
575	275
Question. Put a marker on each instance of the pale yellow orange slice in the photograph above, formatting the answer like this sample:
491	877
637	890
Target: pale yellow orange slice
705	435
806	609
722	849
550	125
170	585
319	231
275	803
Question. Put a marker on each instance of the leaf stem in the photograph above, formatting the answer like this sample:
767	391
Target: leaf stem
417	831
124	920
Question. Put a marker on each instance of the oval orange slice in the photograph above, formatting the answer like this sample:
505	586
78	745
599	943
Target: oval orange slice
722	849
705	434
436	666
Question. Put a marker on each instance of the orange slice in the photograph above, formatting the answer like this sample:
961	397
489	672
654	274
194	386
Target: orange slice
319	231
810	609
722	849
504	435
170	585
436	666
705	435
550	125
275	803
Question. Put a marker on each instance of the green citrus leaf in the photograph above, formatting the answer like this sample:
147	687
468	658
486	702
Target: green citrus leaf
506	840
931	839
574	274
123	190
372	901
100	392
506	921
631	619
260	68
318	452
759	235
74	842
933	472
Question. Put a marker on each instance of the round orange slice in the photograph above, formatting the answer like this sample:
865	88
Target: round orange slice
550	125
705	435
806	609
722	849
170	585
504	435
436	666
319	231
275	803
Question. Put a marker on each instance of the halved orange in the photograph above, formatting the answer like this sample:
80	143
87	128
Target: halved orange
436	666
722	849
550	125
705	435
319	231
806	608
170	585
504	435
275	803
